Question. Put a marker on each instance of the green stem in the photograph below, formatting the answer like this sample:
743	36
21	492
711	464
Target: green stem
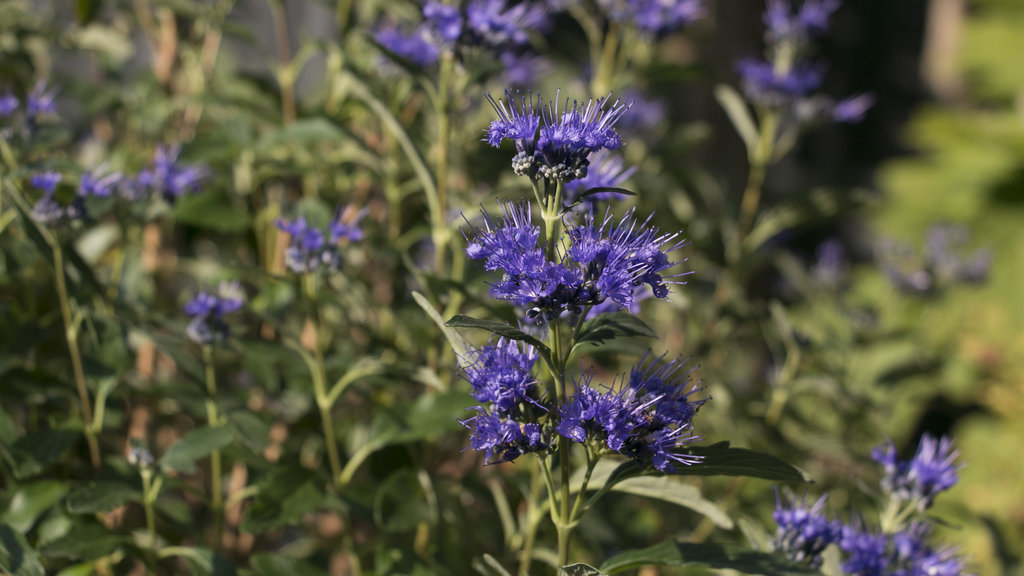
148	500
605	69
576	508
441	169
323	400
760	158
286	74
71	335
526	555
213	419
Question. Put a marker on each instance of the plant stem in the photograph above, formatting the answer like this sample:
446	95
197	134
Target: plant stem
441	169
760	158
286	74
71	335
323	401
213	419
526	554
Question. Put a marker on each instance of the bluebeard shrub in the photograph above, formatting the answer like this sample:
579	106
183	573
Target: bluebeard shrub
312	249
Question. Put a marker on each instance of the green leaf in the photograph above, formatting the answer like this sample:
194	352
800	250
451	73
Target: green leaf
285	496
279	565
610	326
600	189
503	330
457	342
739	114
581	569
213	212
250	429
201	561
84	543
301	133
35	451
30	501
101	496
730	557
17	558
722	460
182	455
675	491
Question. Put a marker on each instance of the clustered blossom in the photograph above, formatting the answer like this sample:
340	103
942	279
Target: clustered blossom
554	144
932	470
208	310
942	263
649	418
905	553
50	209
311	249
604	260
803	532
655	17
904	550
606	170
501	376
499	26
166	178
787	80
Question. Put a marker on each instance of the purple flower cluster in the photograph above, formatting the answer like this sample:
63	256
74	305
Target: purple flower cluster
655	17
50	209
167	178
554	144
311	249
903	550
499	26
932	470
40	102
501	376
905	553
649	418
787	80
803	532
604	260
208	310
942	264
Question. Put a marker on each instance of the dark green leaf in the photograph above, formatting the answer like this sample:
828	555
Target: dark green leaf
182	455
712	555
610	326
35	451
213	212
101	496
278	565
250	429
285	496
30	501
721	460
17	558
503	330
581	569
85	543
600	189
204	562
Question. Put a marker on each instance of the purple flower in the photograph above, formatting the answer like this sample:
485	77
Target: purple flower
101	186
497	23
649	418
521	69
866	553
444	21
502	439
766	86
656	17
417	46
942	263
803	532
8	104
45	181
40	101
851	110
501	374
208	310
551	143
828	269
782	24
167	178
311	249
604	260
645	115
931	471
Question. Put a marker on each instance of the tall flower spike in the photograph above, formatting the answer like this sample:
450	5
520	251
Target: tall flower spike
932	470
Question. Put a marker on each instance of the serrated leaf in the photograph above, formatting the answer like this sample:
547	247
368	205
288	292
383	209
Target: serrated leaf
457	342
499	328
580	569
722	460
680	554
30	501
101	496
279	565
739	114
35	451
182	455
616	325
17	558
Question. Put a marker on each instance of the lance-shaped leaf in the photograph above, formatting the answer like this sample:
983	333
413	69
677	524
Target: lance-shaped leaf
608	327
681	554
503	330
722	460
199	443
580	569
